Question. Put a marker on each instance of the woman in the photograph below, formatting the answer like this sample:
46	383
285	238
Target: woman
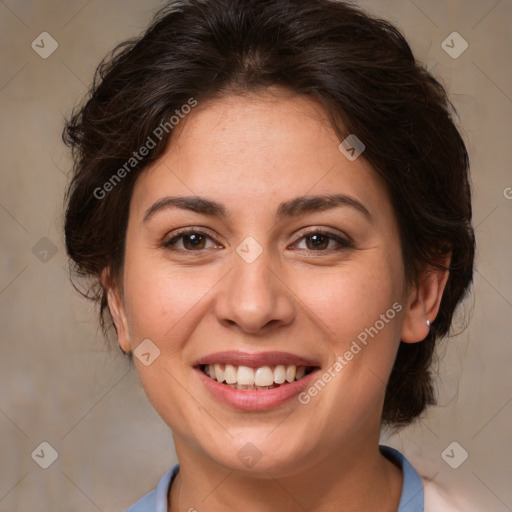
272	200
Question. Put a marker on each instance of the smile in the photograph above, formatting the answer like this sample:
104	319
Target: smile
251	379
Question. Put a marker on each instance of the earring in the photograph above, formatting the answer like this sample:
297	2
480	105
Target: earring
428	324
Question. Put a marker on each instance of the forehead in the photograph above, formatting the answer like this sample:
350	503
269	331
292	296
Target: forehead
265	147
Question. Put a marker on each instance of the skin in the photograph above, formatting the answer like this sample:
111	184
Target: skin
250	153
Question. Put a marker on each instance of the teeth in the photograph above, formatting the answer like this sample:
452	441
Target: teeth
280	374
290	373
301	371
264	377
219	373
245	376
230	374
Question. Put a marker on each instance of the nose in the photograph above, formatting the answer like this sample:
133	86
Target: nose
253	298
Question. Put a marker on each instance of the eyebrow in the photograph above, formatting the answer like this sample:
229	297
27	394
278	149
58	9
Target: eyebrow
294	207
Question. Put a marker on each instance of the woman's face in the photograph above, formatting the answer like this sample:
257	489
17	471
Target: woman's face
291	253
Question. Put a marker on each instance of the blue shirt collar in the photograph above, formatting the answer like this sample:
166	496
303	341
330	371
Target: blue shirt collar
411	499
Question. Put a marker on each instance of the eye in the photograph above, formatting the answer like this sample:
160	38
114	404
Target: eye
191	240
322	241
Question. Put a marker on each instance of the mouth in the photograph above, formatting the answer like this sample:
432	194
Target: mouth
255	382
260	378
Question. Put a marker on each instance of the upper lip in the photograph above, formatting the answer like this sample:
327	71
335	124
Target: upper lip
255	360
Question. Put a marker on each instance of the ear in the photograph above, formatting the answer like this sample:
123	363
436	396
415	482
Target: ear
117	310
423	302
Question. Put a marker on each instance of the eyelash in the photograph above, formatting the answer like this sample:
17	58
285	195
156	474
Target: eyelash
344	243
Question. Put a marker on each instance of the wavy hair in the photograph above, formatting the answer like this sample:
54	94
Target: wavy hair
362	71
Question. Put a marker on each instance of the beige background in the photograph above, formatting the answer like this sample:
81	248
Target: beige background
61	385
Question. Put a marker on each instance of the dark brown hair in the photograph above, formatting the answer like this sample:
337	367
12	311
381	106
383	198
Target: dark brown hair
362	71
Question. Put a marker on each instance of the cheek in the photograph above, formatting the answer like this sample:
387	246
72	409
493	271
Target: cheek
354	297
160	301
165	305
360	306
167	302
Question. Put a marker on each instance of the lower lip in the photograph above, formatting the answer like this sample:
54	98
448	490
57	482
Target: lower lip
262	400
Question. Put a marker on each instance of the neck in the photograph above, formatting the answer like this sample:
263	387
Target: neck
355	478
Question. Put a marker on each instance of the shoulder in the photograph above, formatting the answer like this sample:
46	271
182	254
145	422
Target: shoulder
438	498
422	494
156	500
145	504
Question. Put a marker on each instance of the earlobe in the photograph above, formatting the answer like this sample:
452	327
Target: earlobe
117	310
423	303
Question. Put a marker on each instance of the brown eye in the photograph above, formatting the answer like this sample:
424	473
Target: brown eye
194	241
320	241
191	241
317	242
